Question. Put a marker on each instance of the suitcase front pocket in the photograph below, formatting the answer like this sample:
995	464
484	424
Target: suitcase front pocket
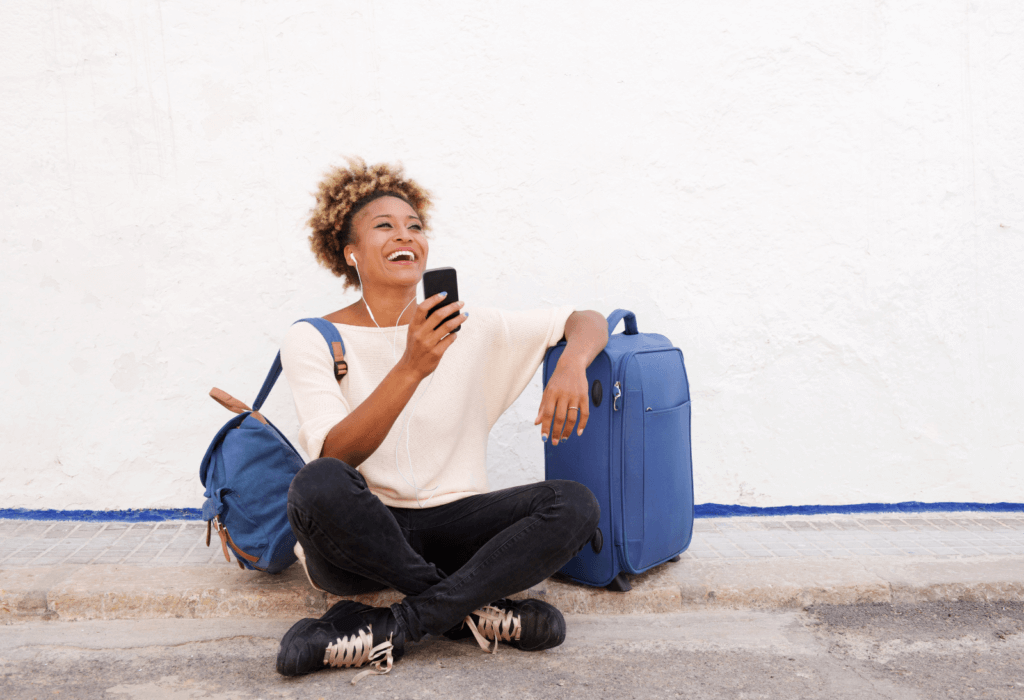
664	488
668	498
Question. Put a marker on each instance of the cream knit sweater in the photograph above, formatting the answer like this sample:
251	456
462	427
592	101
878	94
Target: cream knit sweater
480	375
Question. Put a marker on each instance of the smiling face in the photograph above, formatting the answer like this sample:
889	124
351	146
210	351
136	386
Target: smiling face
390	247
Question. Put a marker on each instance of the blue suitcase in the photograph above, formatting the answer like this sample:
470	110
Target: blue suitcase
634	455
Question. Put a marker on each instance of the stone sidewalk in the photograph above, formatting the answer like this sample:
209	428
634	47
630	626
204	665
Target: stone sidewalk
116	570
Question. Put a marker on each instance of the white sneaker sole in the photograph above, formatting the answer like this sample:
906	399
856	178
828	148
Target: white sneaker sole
302	560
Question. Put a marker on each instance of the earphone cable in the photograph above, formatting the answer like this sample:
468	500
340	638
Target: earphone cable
394	344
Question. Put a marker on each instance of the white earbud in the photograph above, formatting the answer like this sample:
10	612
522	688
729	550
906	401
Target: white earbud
352	257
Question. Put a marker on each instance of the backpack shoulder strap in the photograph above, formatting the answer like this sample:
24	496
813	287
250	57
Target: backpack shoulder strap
335	345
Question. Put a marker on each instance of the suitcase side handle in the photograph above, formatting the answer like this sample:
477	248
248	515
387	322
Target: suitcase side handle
622	315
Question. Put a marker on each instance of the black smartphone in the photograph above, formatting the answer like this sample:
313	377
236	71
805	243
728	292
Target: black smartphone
441	279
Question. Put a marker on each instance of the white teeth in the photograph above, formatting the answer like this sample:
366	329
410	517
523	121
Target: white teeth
408	254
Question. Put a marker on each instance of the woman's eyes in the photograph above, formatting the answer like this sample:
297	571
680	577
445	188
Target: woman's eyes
387	224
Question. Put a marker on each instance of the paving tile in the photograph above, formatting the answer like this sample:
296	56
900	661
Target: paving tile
789	553
180	546
807	547
80	536
750	546
966	523
999	526
56	532
31	551
913	523
705	555
34	528
732	554
47	561
17	561
814	537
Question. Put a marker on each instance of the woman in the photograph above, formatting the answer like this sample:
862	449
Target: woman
398	495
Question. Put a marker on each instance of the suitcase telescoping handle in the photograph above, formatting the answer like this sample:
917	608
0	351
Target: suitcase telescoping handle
622	315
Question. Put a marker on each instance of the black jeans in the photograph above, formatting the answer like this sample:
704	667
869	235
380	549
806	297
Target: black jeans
448	560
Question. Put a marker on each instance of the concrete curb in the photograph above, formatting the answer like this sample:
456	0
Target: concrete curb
118	592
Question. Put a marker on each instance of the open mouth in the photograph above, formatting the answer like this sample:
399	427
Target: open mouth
402	256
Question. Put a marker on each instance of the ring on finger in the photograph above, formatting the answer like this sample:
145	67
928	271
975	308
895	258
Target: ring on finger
573	408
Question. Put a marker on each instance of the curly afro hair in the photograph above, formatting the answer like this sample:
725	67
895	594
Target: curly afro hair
341	194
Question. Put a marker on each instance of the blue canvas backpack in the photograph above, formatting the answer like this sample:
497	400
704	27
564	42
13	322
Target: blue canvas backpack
247	471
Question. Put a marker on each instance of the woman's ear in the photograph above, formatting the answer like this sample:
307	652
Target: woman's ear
350	256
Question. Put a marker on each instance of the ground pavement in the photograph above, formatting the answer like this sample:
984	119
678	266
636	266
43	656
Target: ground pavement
69	571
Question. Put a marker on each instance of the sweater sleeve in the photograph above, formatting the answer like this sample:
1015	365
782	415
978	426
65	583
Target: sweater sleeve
309	369
526	336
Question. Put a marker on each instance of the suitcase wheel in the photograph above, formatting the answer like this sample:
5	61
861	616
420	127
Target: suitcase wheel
620	584
674	559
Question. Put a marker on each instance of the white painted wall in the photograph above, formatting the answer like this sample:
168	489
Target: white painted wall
821	203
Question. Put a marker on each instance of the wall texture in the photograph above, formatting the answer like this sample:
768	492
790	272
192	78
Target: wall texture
821	203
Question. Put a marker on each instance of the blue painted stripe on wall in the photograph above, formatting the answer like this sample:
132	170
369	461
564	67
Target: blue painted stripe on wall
703	510
131	515
717	510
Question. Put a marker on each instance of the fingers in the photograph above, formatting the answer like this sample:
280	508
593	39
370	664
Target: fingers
547	411
427	304
450	325
446	342
558	430
420	318
572	413
434	321
561	411
584	415
445	334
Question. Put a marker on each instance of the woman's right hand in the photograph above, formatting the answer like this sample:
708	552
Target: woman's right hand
425	345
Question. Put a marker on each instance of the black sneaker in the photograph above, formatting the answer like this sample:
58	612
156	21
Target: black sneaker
529	625
350	634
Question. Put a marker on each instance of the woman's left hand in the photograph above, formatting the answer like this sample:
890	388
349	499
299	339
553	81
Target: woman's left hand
565	398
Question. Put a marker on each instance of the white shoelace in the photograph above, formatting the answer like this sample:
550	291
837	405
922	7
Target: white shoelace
496	624
358	650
